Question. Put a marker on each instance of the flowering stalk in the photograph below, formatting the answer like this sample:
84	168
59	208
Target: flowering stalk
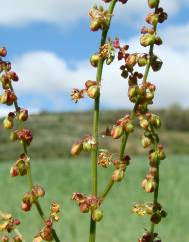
100	19
94	177
22	166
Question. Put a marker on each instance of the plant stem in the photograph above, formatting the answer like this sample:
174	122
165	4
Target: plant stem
29	174
94	157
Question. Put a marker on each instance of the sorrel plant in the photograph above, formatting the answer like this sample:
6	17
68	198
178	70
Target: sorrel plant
141	94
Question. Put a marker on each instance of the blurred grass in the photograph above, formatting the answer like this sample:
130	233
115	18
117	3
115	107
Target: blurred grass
54	133
61	178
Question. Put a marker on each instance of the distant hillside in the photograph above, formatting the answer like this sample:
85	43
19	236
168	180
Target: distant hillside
55	132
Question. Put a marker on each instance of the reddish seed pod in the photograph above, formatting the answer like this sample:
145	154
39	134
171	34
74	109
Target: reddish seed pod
26	206
117	132
3	51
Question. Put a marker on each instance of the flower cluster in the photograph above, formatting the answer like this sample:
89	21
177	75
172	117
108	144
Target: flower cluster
46	233
122	125
8	225
88	203
99	18
31	197
20	167
86	143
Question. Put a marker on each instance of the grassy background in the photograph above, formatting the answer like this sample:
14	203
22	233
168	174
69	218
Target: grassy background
55	133
62	177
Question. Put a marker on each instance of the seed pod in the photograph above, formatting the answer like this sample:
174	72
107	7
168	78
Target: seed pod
150	186
97	215
145	141
94	60
142	61
23	115
144	123
93	91
117	132
17	238
8	123
3	51
129	127
118	175
153	3
95	25
155	218
76	148
147	39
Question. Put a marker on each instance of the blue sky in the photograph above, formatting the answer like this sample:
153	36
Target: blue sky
49	44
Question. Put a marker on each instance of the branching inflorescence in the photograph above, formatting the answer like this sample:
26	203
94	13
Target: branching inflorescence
141	93
22	167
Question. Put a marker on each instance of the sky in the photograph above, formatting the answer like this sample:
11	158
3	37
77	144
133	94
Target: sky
49	44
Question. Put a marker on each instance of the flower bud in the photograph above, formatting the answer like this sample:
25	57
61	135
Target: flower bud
161	154
94	60
93	91
153	171
13	136
131	60
145	141
117	132
17	238
4	238
14	171
3	52
156	121
23	115
133	93
55	207
118	175
142	61
8	123
25	136
158	41
76	148
152	19
150	185
155	218
163	213
147	39
84	207
46	233
13	76
129	127
38	191
144	123
95	25
97	215
153	3
25	206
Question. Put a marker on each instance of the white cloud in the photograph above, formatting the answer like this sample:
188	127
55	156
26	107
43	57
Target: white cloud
177	36
21	12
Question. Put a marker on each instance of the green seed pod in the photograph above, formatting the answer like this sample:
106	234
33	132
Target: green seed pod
147	39
94	60
117	132
153	3
97	215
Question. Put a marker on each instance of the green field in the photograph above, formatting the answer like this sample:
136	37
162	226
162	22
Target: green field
61	178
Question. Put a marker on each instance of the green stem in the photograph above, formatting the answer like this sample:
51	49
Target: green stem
94	156
29	174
